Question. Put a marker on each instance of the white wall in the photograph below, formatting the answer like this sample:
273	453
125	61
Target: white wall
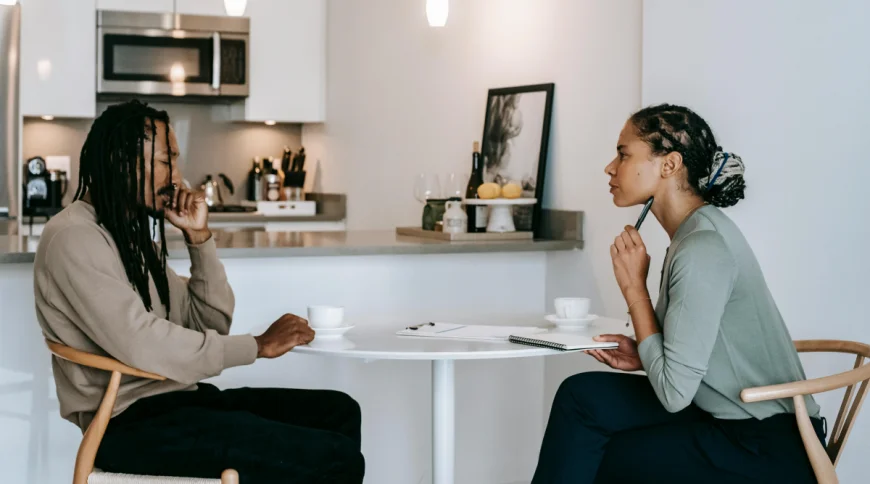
785	85
405	98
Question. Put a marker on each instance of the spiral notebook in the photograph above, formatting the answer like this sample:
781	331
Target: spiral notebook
472	332
563	341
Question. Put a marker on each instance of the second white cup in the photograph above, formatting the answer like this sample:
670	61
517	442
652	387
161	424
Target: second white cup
325	316
572	307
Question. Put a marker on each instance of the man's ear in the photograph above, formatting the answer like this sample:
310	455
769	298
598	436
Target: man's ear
671	164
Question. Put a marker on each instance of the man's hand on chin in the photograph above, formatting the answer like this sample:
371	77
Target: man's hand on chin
188	211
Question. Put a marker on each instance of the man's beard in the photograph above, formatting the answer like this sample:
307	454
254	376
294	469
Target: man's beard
167	191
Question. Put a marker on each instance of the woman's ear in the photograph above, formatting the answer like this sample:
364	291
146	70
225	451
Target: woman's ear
671	164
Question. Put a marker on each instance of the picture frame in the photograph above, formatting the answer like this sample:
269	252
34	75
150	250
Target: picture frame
515	142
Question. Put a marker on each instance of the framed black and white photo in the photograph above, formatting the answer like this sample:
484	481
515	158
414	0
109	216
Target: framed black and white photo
516	134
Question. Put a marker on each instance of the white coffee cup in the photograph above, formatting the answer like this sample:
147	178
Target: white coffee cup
572	307
325	316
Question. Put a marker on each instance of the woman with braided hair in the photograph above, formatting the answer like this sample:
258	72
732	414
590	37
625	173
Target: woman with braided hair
714	331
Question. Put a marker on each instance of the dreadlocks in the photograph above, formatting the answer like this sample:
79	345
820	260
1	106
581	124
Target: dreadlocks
109	172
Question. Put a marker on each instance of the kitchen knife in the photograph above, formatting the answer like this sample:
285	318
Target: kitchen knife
301	155
285	161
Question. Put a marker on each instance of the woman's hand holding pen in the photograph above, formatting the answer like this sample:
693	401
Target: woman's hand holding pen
630	264
631	267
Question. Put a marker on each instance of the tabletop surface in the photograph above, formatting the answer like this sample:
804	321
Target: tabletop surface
384	344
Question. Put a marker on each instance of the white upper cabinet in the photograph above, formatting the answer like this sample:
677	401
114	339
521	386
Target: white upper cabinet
58	65
158	6
287	62
202	7
287	56
191	7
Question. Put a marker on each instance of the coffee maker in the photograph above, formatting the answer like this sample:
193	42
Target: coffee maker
57	185
43	188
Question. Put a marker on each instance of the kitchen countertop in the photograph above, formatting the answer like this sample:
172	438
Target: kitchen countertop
562	230
257	243
253	217
331	207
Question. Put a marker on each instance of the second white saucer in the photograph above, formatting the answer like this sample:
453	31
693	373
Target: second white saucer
331	332
571	323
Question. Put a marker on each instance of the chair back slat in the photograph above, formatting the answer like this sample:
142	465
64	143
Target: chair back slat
852	401
87	453
841	414
838	440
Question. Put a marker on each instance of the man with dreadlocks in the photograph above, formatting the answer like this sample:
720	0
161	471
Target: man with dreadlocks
102	286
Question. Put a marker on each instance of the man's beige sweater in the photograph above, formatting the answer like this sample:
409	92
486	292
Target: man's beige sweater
84	300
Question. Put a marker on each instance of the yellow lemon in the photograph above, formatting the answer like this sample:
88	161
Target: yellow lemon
488	191
511	190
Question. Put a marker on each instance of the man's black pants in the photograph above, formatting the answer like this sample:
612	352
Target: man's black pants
267	435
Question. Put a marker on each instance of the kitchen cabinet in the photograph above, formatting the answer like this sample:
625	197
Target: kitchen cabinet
287	62
202	7
287	58
58	64
191	7
158	6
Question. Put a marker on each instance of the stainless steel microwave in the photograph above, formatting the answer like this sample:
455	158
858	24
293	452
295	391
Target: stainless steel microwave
155	54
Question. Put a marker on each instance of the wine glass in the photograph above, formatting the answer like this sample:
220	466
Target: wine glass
454	185
426	186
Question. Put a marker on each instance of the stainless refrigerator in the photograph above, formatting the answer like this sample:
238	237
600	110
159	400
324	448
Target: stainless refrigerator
10	120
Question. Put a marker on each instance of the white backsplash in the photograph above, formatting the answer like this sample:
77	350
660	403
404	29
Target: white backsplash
206	146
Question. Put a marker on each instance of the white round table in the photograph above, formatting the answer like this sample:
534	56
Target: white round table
384	344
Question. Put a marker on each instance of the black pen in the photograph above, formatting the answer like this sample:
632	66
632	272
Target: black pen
643	213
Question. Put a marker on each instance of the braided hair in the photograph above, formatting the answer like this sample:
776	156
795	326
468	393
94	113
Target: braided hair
711	173
112	171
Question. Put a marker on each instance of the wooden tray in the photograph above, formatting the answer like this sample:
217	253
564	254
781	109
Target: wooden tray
465	237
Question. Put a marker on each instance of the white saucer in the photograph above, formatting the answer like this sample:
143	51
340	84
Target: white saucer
571	323
323	333
332	343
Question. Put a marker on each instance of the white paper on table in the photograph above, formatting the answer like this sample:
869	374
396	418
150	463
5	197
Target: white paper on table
477	332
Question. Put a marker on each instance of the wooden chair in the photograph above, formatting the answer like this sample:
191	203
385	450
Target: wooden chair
823	461
84	467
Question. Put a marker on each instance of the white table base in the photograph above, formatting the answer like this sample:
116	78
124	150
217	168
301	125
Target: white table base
443	421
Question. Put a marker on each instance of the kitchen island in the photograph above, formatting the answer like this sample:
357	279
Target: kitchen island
255	244
385	282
